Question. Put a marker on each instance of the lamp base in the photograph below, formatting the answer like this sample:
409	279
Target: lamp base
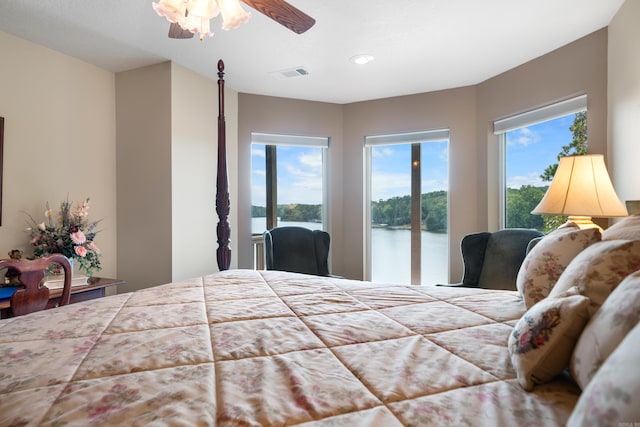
584	222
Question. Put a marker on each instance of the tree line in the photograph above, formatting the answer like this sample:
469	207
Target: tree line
292	212
396	211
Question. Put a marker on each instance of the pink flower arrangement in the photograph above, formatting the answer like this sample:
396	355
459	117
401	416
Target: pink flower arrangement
70	234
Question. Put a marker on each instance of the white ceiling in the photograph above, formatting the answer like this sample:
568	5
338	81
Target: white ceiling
419	45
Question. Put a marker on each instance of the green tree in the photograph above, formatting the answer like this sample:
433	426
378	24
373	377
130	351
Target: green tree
300	212
434	211
577	147
520	203
258	211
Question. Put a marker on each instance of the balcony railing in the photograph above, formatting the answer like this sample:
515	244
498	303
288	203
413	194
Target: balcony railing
258	251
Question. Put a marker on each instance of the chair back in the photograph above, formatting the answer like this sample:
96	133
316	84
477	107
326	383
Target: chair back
297	250
34	296
492	260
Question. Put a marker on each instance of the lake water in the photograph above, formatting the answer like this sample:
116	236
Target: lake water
390	253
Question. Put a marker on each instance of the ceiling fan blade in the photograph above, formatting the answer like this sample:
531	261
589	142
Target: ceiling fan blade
177	32
283	13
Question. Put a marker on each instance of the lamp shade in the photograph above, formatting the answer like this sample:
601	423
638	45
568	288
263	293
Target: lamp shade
581	187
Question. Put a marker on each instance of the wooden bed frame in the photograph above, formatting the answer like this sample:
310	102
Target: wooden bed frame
222	183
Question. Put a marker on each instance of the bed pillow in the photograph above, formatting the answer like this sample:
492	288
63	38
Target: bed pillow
610	399
542	341
601	267
627	229
606	329
546	261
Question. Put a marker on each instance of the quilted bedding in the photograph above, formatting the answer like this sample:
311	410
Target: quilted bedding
267	348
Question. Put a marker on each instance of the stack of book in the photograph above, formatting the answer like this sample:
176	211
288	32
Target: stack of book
57	282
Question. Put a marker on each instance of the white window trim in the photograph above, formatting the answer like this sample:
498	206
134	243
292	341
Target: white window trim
543	114
407	138
295	140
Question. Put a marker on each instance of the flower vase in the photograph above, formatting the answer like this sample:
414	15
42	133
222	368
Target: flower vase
56	269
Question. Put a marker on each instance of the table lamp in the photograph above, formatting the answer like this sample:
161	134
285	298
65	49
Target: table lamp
581	189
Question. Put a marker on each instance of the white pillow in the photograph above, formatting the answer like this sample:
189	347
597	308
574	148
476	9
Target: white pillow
542	341
601	267
611	398
627	229
606	329
544	264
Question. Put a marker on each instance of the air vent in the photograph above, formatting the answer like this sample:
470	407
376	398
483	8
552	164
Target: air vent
290	72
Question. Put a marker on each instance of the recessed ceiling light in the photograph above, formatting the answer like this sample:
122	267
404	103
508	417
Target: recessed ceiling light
362	59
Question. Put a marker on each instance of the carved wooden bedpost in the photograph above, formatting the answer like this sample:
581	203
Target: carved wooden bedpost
222	184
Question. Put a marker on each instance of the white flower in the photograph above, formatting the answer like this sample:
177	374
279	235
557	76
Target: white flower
41	226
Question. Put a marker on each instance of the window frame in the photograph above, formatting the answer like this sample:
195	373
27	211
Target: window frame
534	116
415	139
276	139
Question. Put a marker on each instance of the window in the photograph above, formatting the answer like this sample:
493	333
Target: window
288	181
531	144
407	198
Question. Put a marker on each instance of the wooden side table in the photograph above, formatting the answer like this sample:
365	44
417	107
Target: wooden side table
95	288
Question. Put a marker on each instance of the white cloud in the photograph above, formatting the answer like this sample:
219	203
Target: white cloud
523	137
259	195
304	190
255	151
382	152
312	160
299	172
429	185
444	155
387	185
533	178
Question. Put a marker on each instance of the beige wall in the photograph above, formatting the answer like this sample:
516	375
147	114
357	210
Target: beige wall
193	151
143	101
59	140
469	112
167	151
624	101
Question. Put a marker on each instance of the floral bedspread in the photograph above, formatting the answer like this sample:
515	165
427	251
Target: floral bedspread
267	348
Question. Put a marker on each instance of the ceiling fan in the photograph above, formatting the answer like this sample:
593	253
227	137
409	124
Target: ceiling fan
279	10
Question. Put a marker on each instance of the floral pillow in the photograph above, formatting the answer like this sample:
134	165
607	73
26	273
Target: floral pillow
547	260
627	229
601	267
542	341
611	398
606	329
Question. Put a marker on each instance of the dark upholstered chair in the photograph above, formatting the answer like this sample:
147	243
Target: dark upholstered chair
297	249
34	296
492	260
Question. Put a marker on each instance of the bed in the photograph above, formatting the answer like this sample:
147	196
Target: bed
258	348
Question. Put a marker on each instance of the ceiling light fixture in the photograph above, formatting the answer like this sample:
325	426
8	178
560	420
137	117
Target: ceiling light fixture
362	59
194	15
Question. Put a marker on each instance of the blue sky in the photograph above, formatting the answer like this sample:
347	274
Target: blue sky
529	151
391	166
299	175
